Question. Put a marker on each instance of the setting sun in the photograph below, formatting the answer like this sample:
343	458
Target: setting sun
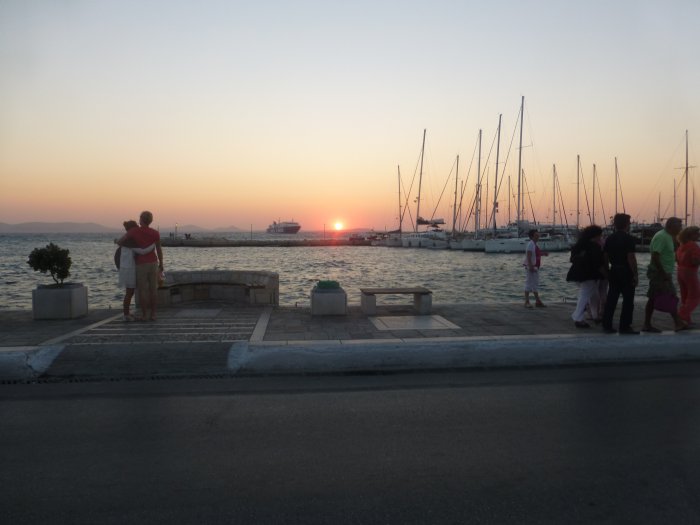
338	226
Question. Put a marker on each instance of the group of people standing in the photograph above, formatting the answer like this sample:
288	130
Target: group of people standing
140	266
606	270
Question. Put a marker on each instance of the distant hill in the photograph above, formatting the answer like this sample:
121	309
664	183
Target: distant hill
55	227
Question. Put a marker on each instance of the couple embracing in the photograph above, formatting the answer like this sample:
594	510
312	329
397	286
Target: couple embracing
141	264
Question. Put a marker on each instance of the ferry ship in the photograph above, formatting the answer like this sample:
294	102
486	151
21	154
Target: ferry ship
284	227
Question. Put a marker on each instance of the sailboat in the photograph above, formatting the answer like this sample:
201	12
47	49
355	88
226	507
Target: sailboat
434	236
517	243
393	238
476	243
519	239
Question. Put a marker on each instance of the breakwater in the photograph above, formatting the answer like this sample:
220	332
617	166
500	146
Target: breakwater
220	242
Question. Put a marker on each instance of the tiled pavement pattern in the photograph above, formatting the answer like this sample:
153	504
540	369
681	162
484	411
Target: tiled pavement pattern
192	341
17	328
470	320
187	325
216	322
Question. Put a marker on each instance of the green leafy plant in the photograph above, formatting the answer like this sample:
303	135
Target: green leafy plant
53	260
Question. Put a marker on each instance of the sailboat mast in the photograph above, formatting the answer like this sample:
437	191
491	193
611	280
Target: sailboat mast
617	182
686	178
454	210
477	217
495	183
594	177
554	196
578	192
520	163
486	200
398	169
420	181
675	213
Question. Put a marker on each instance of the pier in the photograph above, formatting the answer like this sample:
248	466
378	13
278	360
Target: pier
220	242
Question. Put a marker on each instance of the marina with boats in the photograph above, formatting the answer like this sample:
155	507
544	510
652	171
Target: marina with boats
475	226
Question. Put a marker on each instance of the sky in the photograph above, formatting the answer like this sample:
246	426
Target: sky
237	113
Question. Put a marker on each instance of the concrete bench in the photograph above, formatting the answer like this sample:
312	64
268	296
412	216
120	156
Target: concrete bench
237	286
422	298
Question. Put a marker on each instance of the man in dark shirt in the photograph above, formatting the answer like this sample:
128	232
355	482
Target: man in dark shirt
623	277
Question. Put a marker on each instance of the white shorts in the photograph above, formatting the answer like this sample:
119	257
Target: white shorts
127	277
532	281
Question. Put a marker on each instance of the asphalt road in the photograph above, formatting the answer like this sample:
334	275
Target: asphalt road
587	445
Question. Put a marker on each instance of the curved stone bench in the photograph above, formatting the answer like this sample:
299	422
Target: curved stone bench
236	286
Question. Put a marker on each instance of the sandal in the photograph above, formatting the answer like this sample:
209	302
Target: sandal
651	330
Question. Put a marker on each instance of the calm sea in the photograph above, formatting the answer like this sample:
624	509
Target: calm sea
453	276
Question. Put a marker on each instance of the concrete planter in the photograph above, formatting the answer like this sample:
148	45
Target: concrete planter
65	302
329	301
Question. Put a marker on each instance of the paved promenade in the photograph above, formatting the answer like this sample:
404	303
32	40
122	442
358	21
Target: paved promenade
216	339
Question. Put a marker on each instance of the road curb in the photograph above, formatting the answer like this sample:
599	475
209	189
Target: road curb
372	357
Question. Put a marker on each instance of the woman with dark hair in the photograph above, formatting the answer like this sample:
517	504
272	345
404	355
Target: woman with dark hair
587	267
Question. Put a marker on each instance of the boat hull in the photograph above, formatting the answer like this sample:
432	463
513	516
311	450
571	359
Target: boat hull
519	244
284	227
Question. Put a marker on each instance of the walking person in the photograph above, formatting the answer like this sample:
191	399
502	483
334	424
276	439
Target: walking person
662	292
148	266
127	268
532	262
587	268
688	259
623	276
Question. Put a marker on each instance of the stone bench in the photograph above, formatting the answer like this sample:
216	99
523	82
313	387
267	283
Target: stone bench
236	286
422	298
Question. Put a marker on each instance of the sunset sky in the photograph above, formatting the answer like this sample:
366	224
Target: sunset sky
223	113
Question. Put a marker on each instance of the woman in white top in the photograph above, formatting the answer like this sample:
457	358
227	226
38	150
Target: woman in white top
127	270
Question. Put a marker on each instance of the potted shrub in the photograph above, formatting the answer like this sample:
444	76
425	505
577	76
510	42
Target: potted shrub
328	298
58	300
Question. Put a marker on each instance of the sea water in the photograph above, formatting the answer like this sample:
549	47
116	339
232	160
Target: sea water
453	276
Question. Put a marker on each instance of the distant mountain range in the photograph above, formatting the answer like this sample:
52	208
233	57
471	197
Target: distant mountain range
92	227
55	227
